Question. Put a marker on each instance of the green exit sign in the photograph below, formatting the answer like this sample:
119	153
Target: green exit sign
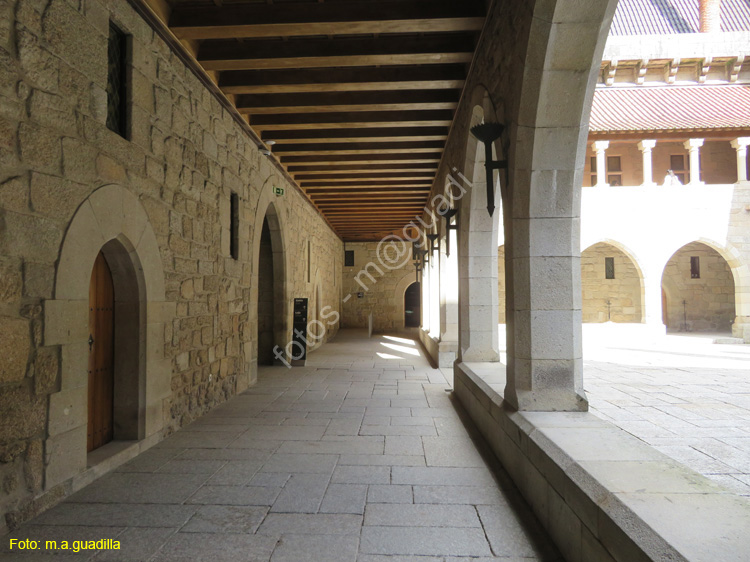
278	190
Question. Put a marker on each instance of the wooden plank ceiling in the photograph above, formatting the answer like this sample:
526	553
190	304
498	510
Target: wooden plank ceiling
353	97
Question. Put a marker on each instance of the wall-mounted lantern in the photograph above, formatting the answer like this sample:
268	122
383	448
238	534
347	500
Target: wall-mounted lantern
448	215
432	238
488	133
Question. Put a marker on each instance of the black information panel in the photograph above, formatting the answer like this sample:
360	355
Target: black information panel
299	333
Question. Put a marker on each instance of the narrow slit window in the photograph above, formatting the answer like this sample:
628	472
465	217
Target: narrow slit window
349	258
234	225
695	267
609	268
117	81
308	261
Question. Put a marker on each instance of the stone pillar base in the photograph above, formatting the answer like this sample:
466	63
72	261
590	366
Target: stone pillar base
447	353
741	329
549	400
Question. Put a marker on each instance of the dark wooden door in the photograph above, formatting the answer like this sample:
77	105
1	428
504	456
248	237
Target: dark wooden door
101	354
412	298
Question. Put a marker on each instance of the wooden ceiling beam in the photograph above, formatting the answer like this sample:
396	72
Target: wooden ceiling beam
351	119
354	201
352	79
350	135
312	150
362	159
369	184
345	169
349	192
390	100
407	212
373	211
393	176
326	18
262	54
371	221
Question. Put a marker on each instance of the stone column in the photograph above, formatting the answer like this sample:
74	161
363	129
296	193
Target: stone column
545	359
694	147
449	294
710	16
435	280
425	287
646	146
740	145
601	162
652	305
477	268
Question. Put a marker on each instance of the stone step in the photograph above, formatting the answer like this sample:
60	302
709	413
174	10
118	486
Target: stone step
730	341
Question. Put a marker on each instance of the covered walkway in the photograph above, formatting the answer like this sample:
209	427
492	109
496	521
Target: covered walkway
360	455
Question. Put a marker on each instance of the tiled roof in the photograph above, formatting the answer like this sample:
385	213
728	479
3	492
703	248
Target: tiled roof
662	17
670	108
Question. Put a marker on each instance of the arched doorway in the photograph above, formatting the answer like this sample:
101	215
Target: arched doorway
101	355
265	297
412	301
699	290
116	336
611	285
270	276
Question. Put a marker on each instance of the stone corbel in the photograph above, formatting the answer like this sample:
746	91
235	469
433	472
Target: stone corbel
674	66
704	69
609	78
641	69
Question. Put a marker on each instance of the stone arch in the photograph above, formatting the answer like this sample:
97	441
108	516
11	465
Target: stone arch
501	284
477	241
617	300
548	130
113	221
400	291
707	303
270	212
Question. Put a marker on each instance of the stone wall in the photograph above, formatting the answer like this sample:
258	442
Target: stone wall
382	291
624	292
501	285
709	300
184	156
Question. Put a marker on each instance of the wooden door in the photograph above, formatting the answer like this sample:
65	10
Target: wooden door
101	354
412	301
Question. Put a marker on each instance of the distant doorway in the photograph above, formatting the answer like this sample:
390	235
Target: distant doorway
101	355
265	298
412	312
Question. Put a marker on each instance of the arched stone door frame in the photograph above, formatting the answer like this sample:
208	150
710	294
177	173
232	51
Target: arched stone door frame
113	221
272	208
400	292
630	255
740	275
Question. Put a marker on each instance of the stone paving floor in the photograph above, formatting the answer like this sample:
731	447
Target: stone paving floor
682	394
361	455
